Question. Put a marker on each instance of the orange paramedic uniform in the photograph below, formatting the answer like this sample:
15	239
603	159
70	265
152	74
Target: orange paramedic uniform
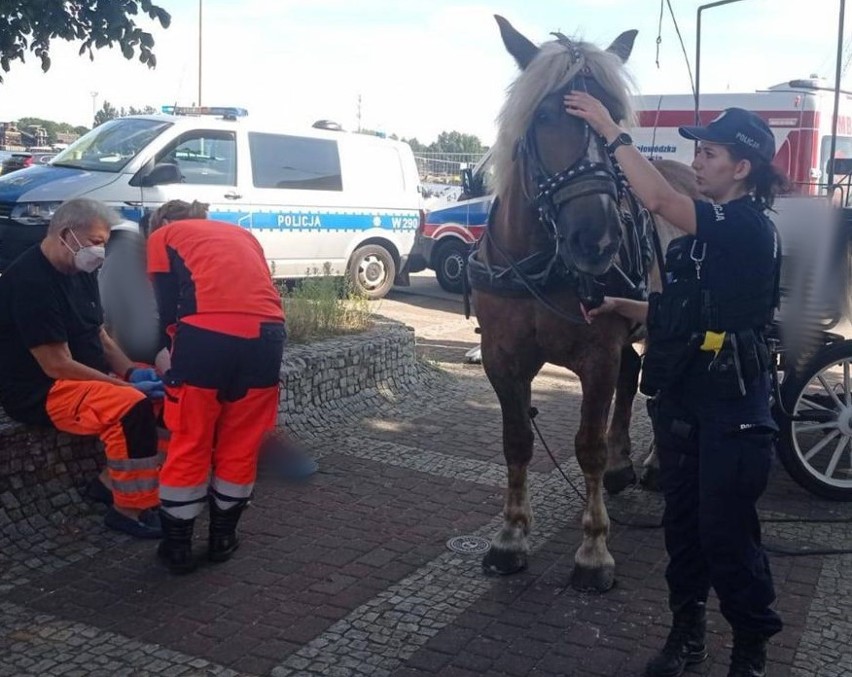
224	320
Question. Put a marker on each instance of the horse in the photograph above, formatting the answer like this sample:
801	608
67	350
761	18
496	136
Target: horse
555	238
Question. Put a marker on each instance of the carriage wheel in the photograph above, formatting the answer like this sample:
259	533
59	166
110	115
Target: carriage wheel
816	443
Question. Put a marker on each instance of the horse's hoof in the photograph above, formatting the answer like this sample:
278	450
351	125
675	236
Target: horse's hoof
650	478
617	481
597	579
503	562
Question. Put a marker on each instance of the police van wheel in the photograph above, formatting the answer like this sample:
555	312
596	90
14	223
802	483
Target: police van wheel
816	443
372	271
449	265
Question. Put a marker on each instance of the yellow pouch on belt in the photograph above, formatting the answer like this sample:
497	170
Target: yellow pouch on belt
713	341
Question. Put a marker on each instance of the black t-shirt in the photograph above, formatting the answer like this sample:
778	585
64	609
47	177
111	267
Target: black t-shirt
743	253
40	305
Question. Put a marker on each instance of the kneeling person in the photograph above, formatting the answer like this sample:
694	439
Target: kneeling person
57	361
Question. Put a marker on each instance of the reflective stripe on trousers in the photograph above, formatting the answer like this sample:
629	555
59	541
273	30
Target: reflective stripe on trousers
194	415
123	419
183	502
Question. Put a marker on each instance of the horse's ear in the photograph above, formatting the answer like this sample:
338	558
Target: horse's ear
622	46
518	46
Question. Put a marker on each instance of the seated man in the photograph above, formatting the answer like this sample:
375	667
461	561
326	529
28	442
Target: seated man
57	363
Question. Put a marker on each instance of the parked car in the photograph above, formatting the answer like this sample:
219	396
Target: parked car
314	199
23	160
447	235
4	155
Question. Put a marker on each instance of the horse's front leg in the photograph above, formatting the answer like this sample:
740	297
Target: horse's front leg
594	567
509	547
619	468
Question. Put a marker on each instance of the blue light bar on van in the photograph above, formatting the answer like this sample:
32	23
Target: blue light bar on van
220	111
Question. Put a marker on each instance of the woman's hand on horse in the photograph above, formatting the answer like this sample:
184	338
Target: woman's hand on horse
588	108
609	305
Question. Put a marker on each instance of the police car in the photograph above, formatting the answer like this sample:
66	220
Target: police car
315	199
447	234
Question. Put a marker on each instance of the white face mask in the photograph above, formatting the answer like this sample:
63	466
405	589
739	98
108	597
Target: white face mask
86	259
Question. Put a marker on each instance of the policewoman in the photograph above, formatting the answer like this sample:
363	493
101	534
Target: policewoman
707	368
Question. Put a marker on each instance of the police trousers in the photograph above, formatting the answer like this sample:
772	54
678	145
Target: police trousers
715	457
221	401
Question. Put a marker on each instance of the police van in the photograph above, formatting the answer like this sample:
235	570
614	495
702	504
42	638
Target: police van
313	199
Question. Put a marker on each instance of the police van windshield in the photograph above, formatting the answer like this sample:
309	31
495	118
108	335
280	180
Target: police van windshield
110	146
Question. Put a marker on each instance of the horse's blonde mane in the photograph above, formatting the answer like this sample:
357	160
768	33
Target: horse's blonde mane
552	69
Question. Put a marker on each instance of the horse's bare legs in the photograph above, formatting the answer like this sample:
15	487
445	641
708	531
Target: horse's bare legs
619	470
594	567
509	547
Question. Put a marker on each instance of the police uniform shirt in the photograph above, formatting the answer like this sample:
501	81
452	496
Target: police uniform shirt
743	251
40	305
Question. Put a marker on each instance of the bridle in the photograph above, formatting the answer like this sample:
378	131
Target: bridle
553	191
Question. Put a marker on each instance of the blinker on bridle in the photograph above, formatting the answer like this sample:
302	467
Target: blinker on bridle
584	177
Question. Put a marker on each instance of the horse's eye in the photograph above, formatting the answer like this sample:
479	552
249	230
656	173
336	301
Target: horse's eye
541	115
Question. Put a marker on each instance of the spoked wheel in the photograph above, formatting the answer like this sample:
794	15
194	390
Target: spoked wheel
816	441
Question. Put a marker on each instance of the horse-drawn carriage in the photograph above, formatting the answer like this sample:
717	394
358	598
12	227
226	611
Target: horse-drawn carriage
813	394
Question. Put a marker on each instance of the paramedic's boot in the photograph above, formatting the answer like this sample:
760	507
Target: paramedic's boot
685	643
748	657
176	547
223	531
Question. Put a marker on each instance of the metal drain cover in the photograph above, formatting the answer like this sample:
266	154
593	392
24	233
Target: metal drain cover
469	545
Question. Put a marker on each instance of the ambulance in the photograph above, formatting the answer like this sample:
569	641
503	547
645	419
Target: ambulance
799	112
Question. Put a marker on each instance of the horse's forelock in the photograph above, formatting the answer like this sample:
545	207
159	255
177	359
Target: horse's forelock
550	71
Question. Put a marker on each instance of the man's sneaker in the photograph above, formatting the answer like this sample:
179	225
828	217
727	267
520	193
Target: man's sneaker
147	525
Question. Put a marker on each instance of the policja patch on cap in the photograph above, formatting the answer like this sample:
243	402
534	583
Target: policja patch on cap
736	127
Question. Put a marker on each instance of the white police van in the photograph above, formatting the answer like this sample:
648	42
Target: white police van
311	198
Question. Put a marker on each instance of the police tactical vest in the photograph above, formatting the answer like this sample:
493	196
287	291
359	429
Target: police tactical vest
688	306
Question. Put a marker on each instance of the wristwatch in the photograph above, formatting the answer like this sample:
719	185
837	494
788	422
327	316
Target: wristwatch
623	139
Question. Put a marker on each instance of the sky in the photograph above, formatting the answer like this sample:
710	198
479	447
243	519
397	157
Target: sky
419	68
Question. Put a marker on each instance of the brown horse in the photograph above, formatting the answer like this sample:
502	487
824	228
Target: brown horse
557	226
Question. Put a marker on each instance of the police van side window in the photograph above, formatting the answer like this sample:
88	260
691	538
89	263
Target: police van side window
204	157
296	162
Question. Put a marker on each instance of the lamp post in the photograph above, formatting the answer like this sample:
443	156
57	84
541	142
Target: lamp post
94	96
199	52
838	74
701	8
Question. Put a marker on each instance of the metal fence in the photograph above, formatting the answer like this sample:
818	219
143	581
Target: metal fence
444	167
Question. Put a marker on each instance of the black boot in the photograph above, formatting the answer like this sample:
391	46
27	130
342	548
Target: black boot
223	531
685	643
176	547
748	657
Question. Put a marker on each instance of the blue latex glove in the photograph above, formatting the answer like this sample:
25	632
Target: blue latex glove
143	374
154	390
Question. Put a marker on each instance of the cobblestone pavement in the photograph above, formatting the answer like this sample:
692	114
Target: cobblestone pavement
349	574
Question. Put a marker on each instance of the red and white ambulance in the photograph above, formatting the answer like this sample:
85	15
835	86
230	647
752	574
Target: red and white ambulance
799	113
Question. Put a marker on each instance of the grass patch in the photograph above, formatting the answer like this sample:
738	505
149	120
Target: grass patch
321	305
